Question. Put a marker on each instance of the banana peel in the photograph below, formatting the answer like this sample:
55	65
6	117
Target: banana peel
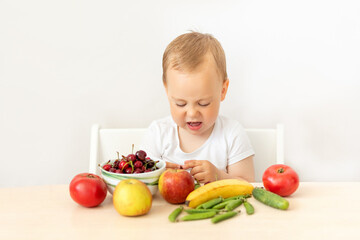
221	188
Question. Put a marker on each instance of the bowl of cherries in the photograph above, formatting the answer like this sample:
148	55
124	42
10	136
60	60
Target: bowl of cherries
136	166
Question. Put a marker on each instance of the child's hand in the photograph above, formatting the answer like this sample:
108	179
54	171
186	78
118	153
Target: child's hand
202	170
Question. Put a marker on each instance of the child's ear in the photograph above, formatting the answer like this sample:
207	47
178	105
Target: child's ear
224	89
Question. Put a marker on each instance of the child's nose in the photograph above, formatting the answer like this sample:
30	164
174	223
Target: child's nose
192	111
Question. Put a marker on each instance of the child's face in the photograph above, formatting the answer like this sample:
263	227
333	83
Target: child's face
195	97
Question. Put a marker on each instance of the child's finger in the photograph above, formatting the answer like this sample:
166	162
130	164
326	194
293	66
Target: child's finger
200	177
196	170
190	164
172	165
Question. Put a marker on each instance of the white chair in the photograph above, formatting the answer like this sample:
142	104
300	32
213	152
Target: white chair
267	144
105	142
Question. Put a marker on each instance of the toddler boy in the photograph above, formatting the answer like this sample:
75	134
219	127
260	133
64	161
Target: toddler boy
195	136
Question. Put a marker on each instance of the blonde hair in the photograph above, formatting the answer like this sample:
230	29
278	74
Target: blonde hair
188	50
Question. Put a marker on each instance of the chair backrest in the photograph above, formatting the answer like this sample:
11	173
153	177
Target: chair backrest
267	144
105	142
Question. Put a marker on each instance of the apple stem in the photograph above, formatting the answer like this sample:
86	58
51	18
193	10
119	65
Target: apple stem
280	170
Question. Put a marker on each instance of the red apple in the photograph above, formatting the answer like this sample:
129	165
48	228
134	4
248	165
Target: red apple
175	185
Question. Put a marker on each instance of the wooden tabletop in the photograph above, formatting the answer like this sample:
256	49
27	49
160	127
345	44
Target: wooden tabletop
317	211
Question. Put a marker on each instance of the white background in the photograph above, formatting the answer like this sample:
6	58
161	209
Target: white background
65	65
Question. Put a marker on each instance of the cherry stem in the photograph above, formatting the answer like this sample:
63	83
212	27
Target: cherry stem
118	155
125	165
132	149
280	170
132	166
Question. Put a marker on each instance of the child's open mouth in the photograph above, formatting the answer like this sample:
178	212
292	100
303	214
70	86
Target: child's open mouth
194	125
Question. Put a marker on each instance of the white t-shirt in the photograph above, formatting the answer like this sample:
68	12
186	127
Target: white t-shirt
227	144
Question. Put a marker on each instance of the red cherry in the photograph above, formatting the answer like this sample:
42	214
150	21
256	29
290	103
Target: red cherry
128	170
107	167
118	171
138	170
116	164
131	157
138	164
141	155
149	164
112	169
123	165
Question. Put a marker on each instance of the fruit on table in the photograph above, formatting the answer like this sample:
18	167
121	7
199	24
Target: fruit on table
132	163
132	197
269	198
175	185
225	188
87	189
280	179
141	155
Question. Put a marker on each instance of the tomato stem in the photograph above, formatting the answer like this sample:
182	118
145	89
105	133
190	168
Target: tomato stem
280	170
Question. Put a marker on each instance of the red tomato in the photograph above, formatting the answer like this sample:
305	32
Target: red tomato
280	179
88	190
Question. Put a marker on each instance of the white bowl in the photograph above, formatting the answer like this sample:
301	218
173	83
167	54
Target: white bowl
151	179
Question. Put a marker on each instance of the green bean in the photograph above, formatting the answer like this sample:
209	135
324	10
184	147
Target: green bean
231	198
249	208
175	214
210	203
198	216
224	216
237	197
220	205
194	210
234	204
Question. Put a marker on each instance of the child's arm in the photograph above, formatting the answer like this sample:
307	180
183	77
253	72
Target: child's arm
204	171
243	169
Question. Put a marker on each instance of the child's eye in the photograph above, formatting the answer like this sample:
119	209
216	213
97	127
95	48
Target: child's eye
204	105
180	105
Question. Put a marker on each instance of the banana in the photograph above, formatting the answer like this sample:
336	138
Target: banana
224	188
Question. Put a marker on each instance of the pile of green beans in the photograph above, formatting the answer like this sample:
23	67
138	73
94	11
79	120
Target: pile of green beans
218	209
